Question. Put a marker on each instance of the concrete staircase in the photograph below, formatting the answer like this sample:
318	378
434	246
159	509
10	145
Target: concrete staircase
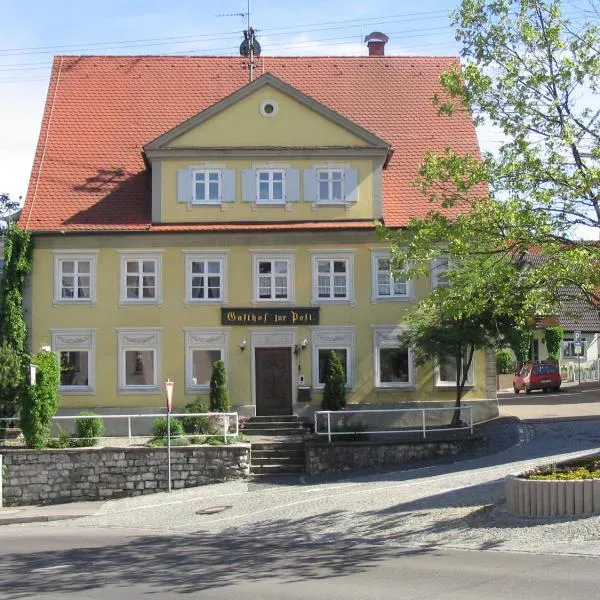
277	444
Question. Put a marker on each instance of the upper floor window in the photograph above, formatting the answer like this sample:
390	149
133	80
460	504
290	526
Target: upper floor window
332	278
331	185
207	187
75	277
439	271
140	278
387	285
273	278
270	185
205	277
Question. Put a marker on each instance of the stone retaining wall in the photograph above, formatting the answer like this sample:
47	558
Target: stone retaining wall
346	456
547	498
51	476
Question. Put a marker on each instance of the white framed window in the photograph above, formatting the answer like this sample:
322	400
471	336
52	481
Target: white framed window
393	365
205	277
273	277
330	188
568	348
76	352
339	340
270	186
75	277
202	348
141	273
386	286
139	360
439	271
206	187
445	372
332	277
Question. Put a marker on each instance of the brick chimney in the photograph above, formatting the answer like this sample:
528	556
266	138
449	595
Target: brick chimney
376	42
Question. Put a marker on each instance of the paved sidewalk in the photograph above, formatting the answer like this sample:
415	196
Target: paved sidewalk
54	512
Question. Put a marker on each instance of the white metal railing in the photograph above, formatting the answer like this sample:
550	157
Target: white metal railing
229	423
583	370
329	432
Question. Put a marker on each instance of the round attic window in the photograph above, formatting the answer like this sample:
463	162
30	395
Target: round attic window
268	108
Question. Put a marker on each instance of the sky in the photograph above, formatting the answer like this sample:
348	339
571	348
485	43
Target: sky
33	31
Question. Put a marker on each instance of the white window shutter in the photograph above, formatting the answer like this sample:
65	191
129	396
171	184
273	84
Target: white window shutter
228	185
249	185
310	185
292	185
184	185
351	184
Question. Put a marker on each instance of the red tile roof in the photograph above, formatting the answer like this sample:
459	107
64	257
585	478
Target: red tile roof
88	171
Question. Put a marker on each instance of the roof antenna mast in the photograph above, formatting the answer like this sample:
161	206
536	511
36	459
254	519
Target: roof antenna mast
249	48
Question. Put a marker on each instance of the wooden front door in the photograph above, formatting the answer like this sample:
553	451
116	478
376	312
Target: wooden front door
273	381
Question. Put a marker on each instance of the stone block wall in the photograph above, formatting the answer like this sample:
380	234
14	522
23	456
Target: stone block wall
52	476
346	456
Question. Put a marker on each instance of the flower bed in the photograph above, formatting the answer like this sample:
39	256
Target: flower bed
569	488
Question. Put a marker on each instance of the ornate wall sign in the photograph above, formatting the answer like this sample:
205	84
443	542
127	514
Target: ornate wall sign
269	316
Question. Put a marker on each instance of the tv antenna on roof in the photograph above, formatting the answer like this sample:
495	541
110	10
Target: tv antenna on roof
250	47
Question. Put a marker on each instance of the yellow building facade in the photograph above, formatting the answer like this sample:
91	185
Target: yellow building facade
224	273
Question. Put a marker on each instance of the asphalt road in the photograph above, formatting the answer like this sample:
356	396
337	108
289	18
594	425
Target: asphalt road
437	531
125	565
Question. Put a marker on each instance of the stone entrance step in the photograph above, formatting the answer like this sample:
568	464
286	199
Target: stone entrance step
276	425
277	455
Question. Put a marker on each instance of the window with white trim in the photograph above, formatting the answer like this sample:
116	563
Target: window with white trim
445	371
202	348
332	278
339	340
330	187
206	278
75	349
141	278
206	187
75	277
568	348
273	278
386	285
139	360
393	364
439	271
270	185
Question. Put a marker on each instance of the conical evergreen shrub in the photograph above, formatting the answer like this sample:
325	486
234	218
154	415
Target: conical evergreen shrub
334	393
219	396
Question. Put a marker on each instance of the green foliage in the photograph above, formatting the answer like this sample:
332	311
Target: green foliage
520	341
159	428
504	361
88	430
554	337
162	442
219	395
64	440
197	425
8	209
41	400
334	392
11	381
531	73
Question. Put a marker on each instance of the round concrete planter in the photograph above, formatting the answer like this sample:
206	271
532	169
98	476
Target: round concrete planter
534	498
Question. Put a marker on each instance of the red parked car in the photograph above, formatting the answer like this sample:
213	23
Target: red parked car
538	376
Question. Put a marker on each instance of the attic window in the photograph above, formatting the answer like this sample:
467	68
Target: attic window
268	108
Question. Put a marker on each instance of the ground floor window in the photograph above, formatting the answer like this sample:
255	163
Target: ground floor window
202	348
75	349
569	349
445	372
393	364
339	340
139	360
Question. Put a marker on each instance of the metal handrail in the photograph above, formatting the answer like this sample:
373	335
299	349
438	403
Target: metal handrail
225	433
422	429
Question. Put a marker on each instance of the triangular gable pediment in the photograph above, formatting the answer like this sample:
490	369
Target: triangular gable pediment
237	121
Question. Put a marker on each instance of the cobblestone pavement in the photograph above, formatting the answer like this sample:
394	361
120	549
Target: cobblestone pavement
444	504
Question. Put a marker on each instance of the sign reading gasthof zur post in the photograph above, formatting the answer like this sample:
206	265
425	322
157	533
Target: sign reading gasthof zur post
270	316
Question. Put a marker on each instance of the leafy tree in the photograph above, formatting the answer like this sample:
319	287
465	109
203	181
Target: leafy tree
554	337
41	400
520	341
219	395
534	75
11	380
334	392
504	360
7	209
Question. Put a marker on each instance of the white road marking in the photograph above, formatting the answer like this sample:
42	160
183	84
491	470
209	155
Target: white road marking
50	569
